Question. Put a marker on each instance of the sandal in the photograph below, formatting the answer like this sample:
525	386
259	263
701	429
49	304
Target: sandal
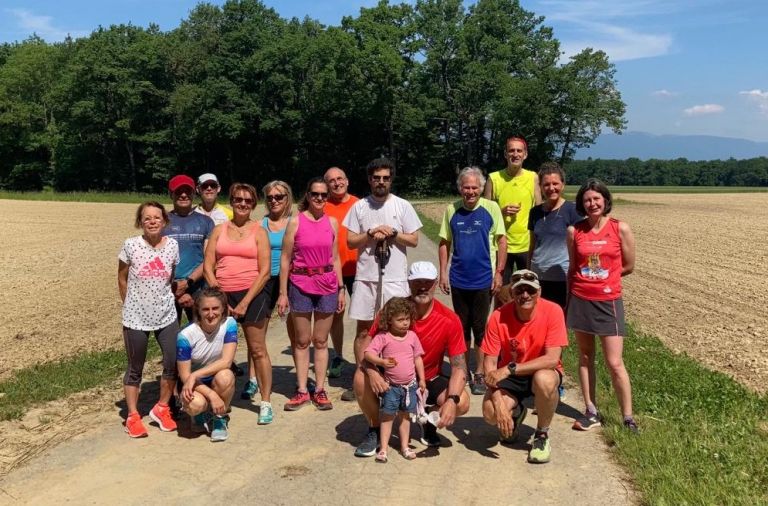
381	457
408	454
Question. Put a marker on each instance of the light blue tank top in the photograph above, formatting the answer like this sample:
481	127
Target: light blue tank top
275	245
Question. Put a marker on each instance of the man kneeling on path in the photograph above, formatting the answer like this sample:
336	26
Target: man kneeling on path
439	331
529	334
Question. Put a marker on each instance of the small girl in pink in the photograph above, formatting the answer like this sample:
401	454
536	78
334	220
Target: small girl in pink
398	350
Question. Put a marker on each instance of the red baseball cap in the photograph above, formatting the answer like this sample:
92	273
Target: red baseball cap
177	182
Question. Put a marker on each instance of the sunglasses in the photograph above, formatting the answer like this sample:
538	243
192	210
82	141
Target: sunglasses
383	179
319	195
527	289
276	198
243	200
209	186
528	276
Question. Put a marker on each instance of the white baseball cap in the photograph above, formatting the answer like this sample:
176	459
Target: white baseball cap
422	270
207	177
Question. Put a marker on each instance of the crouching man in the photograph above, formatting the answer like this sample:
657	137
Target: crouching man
522	346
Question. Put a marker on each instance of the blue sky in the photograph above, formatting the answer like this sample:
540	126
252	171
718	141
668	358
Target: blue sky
683	66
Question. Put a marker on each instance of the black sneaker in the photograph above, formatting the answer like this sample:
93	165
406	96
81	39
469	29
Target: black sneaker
429	435
518	419
348	395
631	426
477	387
588	421
369	445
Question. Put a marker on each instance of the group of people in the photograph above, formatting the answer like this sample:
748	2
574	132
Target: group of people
546	264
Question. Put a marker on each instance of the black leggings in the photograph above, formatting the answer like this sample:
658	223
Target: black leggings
136	348
472	307
515	262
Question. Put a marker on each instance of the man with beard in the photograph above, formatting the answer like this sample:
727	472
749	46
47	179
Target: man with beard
208	188
439	331
522	345
191	231
516	190
381	227
337	206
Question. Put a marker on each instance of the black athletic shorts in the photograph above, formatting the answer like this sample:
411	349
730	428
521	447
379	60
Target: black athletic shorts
521	387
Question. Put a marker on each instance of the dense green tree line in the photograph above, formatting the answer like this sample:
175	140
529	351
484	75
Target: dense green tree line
679	172
242	92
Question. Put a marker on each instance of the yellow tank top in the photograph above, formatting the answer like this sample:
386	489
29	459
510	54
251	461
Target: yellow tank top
515	190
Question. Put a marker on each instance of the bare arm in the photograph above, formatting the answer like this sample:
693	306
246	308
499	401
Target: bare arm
408	240
444	253
531	247
419	363
209	261
488	191
122	279
501	262
286	255
536	190
337	266
456	384
571	253
627	249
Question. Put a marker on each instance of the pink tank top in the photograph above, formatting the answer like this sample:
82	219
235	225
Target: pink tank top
313	248
598	262
237	264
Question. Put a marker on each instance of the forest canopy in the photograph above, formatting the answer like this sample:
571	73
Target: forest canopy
241	92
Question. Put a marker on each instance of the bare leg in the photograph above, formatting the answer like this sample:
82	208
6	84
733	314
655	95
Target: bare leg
613	347
320	331
545	382
337	333
224	385
405	431
131	398
386	431
366	399
586	344
166	390
255	336
303	336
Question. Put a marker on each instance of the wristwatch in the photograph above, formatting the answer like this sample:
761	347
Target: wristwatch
394	233
190	281
512	367
454	398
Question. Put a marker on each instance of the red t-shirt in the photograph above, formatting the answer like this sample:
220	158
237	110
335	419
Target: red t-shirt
348	257
439	333
521	342
598	262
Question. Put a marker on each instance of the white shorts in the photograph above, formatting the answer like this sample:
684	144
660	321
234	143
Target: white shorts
365	295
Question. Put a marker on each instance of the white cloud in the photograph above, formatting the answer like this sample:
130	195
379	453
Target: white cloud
664	93
605	25
700	110
42	25
759	96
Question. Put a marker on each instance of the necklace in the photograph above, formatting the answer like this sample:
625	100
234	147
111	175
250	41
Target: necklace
556	214
239	229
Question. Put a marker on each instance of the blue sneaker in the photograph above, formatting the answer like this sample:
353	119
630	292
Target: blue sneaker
249	390
219	429
265	413
200	422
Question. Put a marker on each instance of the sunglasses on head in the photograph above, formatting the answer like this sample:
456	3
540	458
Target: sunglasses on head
209	186
528	276
383	179
276	198
243	200
319	195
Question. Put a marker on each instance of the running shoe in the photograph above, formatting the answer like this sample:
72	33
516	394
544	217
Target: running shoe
631	426
588	421
321	401
517	419
368	447
219	429
134	426
348	395
265	413
200	423
162	416
336	366
477	387
298	401
429	435
249	390
561	392
540	450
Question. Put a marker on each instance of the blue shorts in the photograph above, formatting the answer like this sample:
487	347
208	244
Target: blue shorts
302	302
393	400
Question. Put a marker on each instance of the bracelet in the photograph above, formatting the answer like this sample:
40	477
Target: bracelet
368	233
341	287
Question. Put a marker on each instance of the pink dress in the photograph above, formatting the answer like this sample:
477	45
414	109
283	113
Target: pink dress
312	268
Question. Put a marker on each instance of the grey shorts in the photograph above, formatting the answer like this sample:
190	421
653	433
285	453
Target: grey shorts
596	317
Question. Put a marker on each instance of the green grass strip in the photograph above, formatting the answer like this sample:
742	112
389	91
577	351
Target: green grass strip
704	436
47	382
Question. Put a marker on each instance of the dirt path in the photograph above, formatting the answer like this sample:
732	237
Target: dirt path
302	457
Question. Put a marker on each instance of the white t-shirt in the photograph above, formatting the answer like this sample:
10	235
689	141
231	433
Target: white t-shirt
202	349
366	214
149	301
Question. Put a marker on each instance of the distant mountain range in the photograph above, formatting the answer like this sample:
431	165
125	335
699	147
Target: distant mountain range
644	146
